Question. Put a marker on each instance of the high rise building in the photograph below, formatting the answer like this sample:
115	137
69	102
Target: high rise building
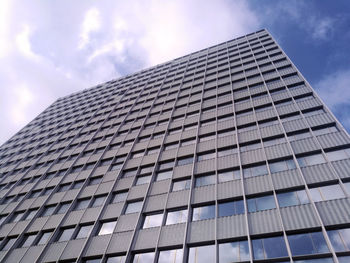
223	155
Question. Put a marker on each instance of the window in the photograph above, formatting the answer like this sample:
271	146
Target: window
8	243
282	166
229	176
95	180
84	231
340	239
164	175
133	207
272	247
309	243
82	204
63	187
153	220
143	180
328	192
107	228
98	201
170	256
48	210
203	254
77	185
321	260
206	156
292	198
261	203
225	152
176	217
31	213
28	240
66	234
311	160
120	197
63	208
44	238
338	155
144	257
184	161
255	171
182	185
233	252
119	259
203	212
205	180
96	260
129	173
231	208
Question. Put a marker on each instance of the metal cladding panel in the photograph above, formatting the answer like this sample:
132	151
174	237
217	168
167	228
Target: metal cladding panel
277	151
225	111
231	226
104	188
252	156
70	195
156	202
160	187
124	183
286	109
53	221
207	129
208	115
37	225
182	171
266	114
271	130
201	231
245	119
222	125
132	163
88	191
297	91
320	119
257	184
342	168
73	217
178	198
294	125
16	255
243	105
137	191
228	161
54	252
147	238
318	173
205	166
113	210
119	242
286	179
305	145
173	138
127	222
264	222
19	228
299	217
98	245
91	214
248	136
168	154
203	194
227	141
186	150
73	249
31	254
310	103
229	189
334	212
206	146
172	235
333	139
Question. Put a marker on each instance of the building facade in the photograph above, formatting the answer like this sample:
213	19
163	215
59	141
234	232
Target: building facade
223	155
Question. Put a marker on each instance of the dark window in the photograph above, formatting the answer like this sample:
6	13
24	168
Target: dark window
182	185
272	247
261	203
292	198
184	161
44	238
231	208
119	197
205	180
309	243
340	239
203	212
84	231
66	234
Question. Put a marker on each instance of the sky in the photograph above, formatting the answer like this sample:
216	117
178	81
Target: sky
50	49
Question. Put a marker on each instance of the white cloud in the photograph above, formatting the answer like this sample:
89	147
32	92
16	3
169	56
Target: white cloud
49	51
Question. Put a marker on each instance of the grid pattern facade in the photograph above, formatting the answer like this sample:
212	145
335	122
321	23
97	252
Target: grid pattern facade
223	155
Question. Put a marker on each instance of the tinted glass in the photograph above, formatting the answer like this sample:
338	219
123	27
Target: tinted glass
120	259
231	208
205	180
66	234
84	231
133	207
233	252
181	185
272	247
44	238
340	239
164	175
120	197
310	243
228	176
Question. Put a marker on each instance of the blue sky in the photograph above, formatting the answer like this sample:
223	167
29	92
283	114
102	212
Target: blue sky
50	49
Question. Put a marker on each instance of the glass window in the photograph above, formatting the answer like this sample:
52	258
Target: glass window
182	185
255	171
8	243
77	185
203	254
120	197
282	166
133	207
82	204
31	213
143	180
44	238
231	208
229	176
328	192
144	258
206	156
63	208
107	228
166	165
164	175
28	240
96	260
130	173
203	212
292	198
170	256
184	161
233	252
271	247
205	180
347	187
345	259
66	234
176	217
49	210
98	201
309	243
84	231
226	152
63	187
249	147
338	155
95	180
119	259
261	203
340	239
153	220
311	160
